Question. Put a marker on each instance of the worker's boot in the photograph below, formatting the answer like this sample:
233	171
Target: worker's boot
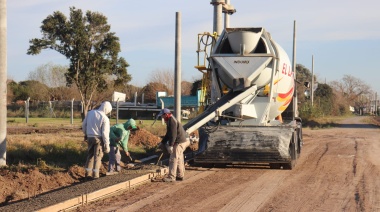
111	173
95	174
88	174
168	180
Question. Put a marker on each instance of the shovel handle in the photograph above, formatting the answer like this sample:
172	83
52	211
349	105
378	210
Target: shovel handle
159	158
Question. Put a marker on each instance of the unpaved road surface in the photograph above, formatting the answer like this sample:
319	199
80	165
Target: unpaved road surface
338	170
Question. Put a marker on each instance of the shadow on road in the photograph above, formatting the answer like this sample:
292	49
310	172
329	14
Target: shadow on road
362	126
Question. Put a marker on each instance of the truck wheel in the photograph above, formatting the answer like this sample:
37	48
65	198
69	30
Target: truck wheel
290	165
299	142
293	151
293	147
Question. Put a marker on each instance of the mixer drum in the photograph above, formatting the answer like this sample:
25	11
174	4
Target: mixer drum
244	57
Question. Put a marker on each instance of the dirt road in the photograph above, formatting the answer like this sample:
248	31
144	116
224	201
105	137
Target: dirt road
338	171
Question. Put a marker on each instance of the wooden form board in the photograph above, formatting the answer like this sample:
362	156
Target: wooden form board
102	193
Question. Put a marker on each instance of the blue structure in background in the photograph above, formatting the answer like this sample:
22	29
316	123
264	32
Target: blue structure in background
142	111
186	101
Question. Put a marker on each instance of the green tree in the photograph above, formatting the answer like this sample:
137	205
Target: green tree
303	75
86	40
35	90
197	85
10	93
324	99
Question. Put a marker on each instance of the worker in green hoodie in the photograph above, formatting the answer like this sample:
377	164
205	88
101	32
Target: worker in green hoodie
119	136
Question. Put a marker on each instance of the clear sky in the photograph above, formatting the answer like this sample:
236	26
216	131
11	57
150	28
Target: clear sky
343	36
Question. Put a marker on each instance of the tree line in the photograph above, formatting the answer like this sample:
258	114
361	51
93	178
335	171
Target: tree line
47	83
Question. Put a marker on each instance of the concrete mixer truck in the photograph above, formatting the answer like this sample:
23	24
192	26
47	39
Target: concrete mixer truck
252	114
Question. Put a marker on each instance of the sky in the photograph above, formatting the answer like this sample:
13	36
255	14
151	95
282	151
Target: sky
342	36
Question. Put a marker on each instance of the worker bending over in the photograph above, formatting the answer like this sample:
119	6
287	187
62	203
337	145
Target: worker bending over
119	136
175	139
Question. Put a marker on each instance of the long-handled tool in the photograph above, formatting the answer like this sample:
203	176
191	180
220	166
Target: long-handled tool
159	158
133	160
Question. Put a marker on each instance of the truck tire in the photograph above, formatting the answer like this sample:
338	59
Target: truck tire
293	151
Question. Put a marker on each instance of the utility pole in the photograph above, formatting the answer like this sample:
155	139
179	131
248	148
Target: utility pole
295	98
177	68
376	104
3	82
312	80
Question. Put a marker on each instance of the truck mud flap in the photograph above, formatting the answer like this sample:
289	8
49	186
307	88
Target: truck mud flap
245	145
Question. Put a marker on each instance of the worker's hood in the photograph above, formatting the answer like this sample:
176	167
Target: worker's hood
106	107
130	123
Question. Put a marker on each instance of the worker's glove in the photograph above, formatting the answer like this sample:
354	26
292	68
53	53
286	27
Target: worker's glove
169	149
85	138
106	148
193	139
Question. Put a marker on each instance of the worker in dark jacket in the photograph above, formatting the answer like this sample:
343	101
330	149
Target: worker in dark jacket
176	142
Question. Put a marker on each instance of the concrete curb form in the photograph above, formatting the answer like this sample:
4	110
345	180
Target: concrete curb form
103	193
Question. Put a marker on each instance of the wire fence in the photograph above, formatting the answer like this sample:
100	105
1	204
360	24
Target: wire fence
49	109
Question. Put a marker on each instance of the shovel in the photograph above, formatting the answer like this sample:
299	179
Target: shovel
133	160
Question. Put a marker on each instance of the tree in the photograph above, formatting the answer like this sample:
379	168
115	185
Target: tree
49	74
165	77
35	90
86	40
130	91
10	94
352	89
197	84
186	88
150	91
52	76
303	75
324	99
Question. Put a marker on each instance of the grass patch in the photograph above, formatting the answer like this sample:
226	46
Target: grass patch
322	122
46	150
63	149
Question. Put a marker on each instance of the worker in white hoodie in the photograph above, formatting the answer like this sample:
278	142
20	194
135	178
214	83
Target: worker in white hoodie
96	127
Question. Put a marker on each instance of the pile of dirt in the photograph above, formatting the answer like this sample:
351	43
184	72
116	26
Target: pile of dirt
24	184
144	138
75	190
